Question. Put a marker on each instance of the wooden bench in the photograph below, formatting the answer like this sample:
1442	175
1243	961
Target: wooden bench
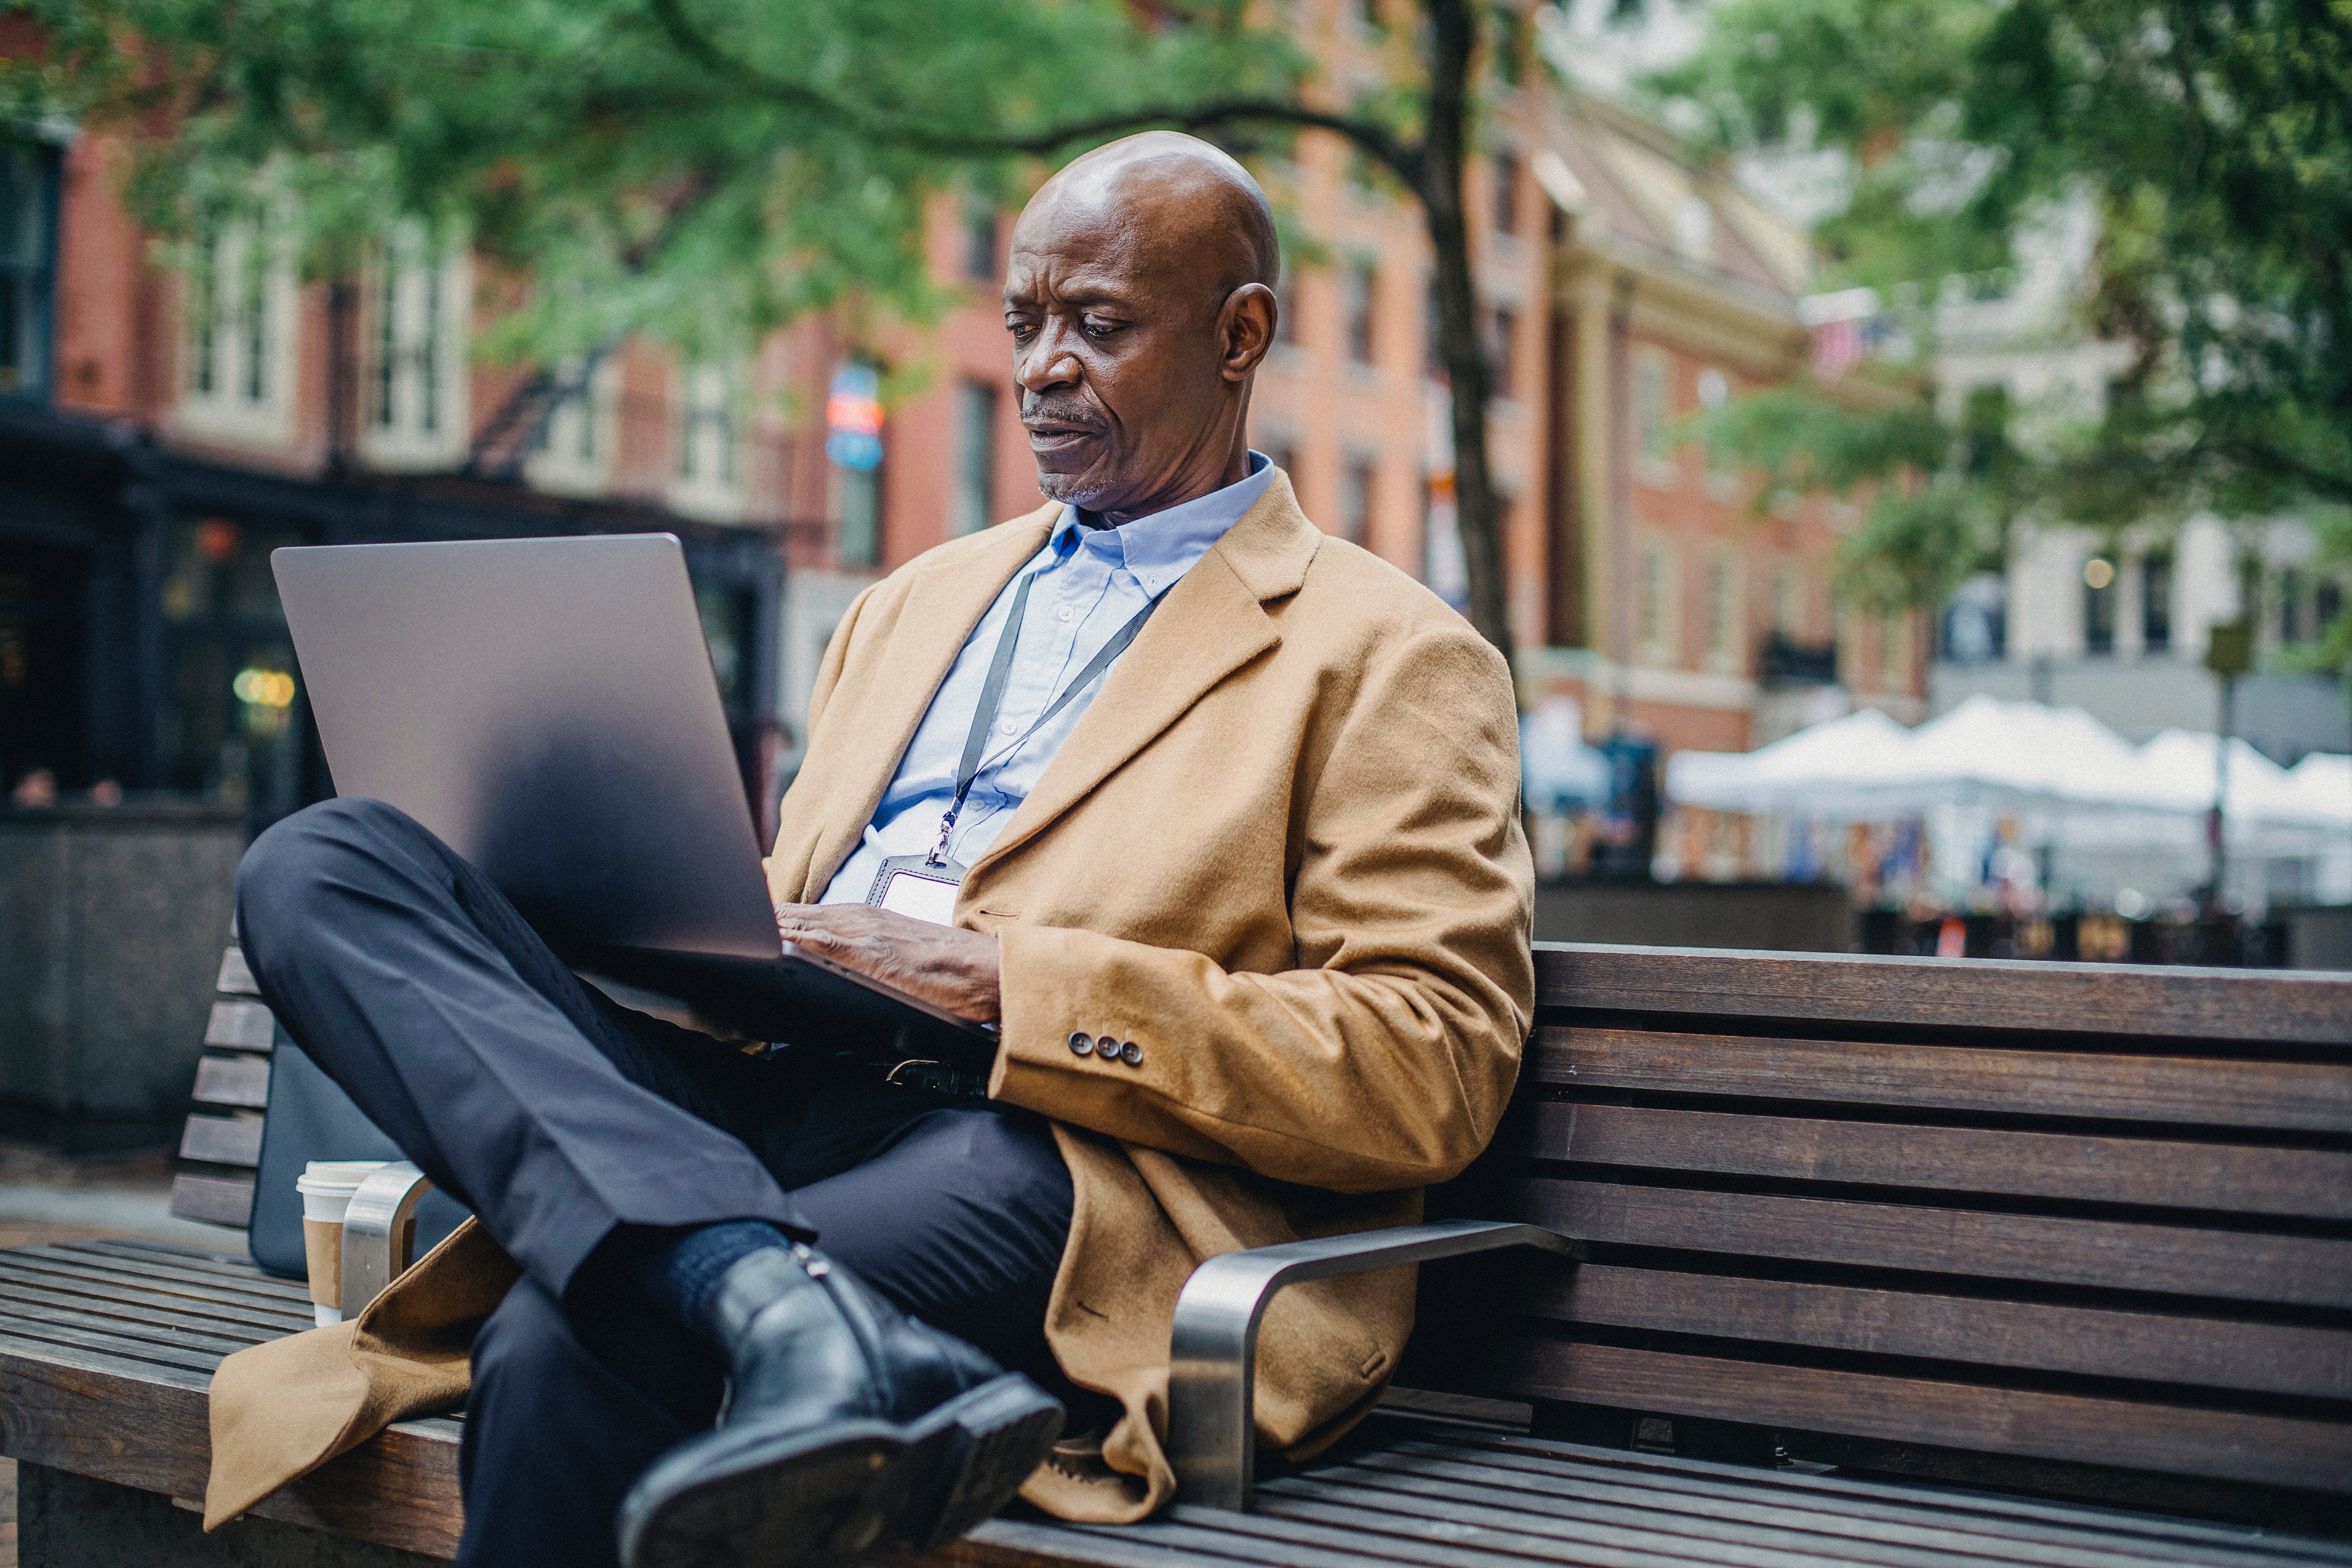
1879	1258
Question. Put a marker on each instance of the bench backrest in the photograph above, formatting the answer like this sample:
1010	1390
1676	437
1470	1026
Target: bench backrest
222	1142
2076	1213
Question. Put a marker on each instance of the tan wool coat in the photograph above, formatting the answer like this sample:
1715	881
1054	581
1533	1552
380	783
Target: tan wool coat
1280	853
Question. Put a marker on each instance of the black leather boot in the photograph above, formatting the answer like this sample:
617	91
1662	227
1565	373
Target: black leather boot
849	1427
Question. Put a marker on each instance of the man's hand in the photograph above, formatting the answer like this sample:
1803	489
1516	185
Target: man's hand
945	965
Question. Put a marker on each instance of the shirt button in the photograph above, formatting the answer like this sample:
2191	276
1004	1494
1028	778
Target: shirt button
1131	1053
1064	613
1007	727
1083	1044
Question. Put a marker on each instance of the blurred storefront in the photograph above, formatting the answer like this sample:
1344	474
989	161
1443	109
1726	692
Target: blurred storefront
141	645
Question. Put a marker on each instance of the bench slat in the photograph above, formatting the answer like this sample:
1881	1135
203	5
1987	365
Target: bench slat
222	1140
233	1081
26	1322
1663	1481
215	1200
140	1302
203	1278
2179	1091
164	1277
1643	1524
102	1332
1427	1477
152	1291
2313	1007
2199	1351
220	1200
240	1027
235	978
2303	1183
101	1311
2174	1260
2223	1444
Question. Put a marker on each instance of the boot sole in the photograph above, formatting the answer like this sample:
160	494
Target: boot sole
974	1452
739	1497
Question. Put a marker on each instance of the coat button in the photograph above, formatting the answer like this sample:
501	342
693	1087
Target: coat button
1131	1053
1082	1045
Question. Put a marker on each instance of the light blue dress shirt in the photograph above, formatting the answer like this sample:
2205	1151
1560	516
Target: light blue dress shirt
1090	582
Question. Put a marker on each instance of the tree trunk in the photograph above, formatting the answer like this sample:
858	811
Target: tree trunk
1478	513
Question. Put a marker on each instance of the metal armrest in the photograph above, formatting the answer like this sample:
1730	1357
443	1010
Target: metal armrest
1212	1371
379	1231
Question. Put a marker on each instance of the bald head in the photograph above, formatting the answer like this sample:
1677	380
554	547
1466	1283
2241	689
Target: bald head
1193	194
1140	300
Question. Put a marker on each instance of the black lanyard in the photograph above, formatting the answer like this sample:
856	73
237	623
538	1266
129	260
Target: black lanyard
992	695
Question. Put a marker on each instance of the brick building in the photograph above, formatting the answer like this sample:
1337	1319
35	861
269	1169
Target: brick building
160	430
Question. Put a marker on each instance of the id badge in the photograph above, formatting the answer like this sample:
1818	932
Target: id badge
909	884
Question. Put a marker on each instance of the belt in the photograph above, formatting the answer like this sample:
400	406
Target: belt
912	1073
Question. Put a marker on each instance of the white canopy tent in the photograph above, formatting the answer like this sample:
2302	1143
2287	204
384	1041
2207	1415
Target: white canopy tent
2128	815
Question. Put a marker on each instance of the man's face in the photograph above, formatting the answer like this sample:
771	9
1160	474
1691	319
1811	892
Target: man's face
1117	350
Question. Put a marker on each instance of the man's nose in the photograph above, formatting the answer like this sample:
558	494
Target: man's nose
1050	362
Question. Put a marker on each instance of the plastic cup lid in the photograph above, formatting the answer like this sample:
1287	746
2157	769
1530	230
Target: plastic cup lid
333	1176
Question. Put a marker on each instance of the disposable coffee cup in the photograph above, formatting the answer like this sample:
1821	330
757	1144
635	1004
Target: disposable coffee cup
327	1186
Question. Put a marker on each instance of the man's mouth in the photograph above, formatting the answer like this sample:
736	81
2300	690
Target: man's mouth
1052	438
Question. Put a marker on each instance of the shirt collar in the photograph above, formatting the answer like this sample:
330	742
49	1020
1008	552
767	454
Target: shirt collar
1160	548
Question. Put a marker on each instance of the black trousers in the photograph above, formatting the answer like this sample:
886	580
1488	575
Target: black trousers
556	1116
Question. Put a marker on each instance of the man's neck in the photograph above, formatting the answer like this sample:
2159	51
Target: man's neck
1236	469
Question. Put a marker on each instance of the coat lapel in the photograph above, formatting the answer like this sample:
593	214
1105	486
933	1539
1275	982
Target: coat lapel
942	605
1212	624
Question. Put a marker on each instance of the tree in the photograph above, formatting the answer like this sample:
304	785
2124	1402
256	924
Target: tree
2212	142
698	167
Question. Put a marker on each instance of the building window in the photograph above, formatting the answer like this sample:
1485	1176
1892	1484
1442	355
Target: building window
1727	621
28	197
1791	603
1654	601
239	307
975	456
2290	606
576	439
417	340
2098	606
857	510
706	428
1360	282
979	242
2156	602
1357	485
1506	175
1652	414
1975	629
1502	345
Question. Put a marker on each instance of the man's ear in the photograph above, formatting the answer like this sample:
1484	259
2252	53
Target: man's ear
1246	329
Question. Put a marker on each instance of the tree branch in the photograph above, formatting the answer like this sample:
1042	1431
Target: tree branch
1407	161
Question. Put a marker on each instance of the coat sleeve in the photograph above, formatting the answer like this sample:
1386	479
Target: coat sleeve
1385	1058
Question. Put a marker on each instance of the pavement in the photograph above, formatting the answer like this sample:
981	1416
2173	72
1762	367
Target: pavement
46	1196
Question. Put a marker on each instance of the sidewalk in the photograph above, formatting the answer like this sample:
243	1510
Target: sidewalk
46	1196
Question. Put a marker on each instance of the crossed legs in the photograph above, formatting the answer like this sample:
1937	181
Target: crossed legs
565	1122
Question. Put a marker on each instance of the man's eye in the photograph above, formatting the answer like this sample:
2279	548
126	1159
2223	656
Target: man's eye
1099	330
1022	331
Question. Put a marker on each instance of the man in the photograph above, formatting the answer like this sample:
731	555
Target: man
1220	816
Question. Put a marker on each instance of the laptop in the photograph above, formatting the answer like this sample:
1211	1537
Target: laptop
547	708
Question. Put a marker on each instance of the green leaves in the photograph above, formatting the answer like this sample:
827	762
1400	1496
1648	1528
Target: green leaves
2211	139
628	184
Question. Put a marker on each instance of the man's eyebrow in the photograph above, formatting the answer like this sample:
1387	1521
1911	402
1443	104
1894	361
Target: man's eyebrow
1082	295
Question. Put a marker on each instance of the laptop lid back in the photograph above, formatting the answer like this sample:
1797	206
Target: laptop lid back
547	708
